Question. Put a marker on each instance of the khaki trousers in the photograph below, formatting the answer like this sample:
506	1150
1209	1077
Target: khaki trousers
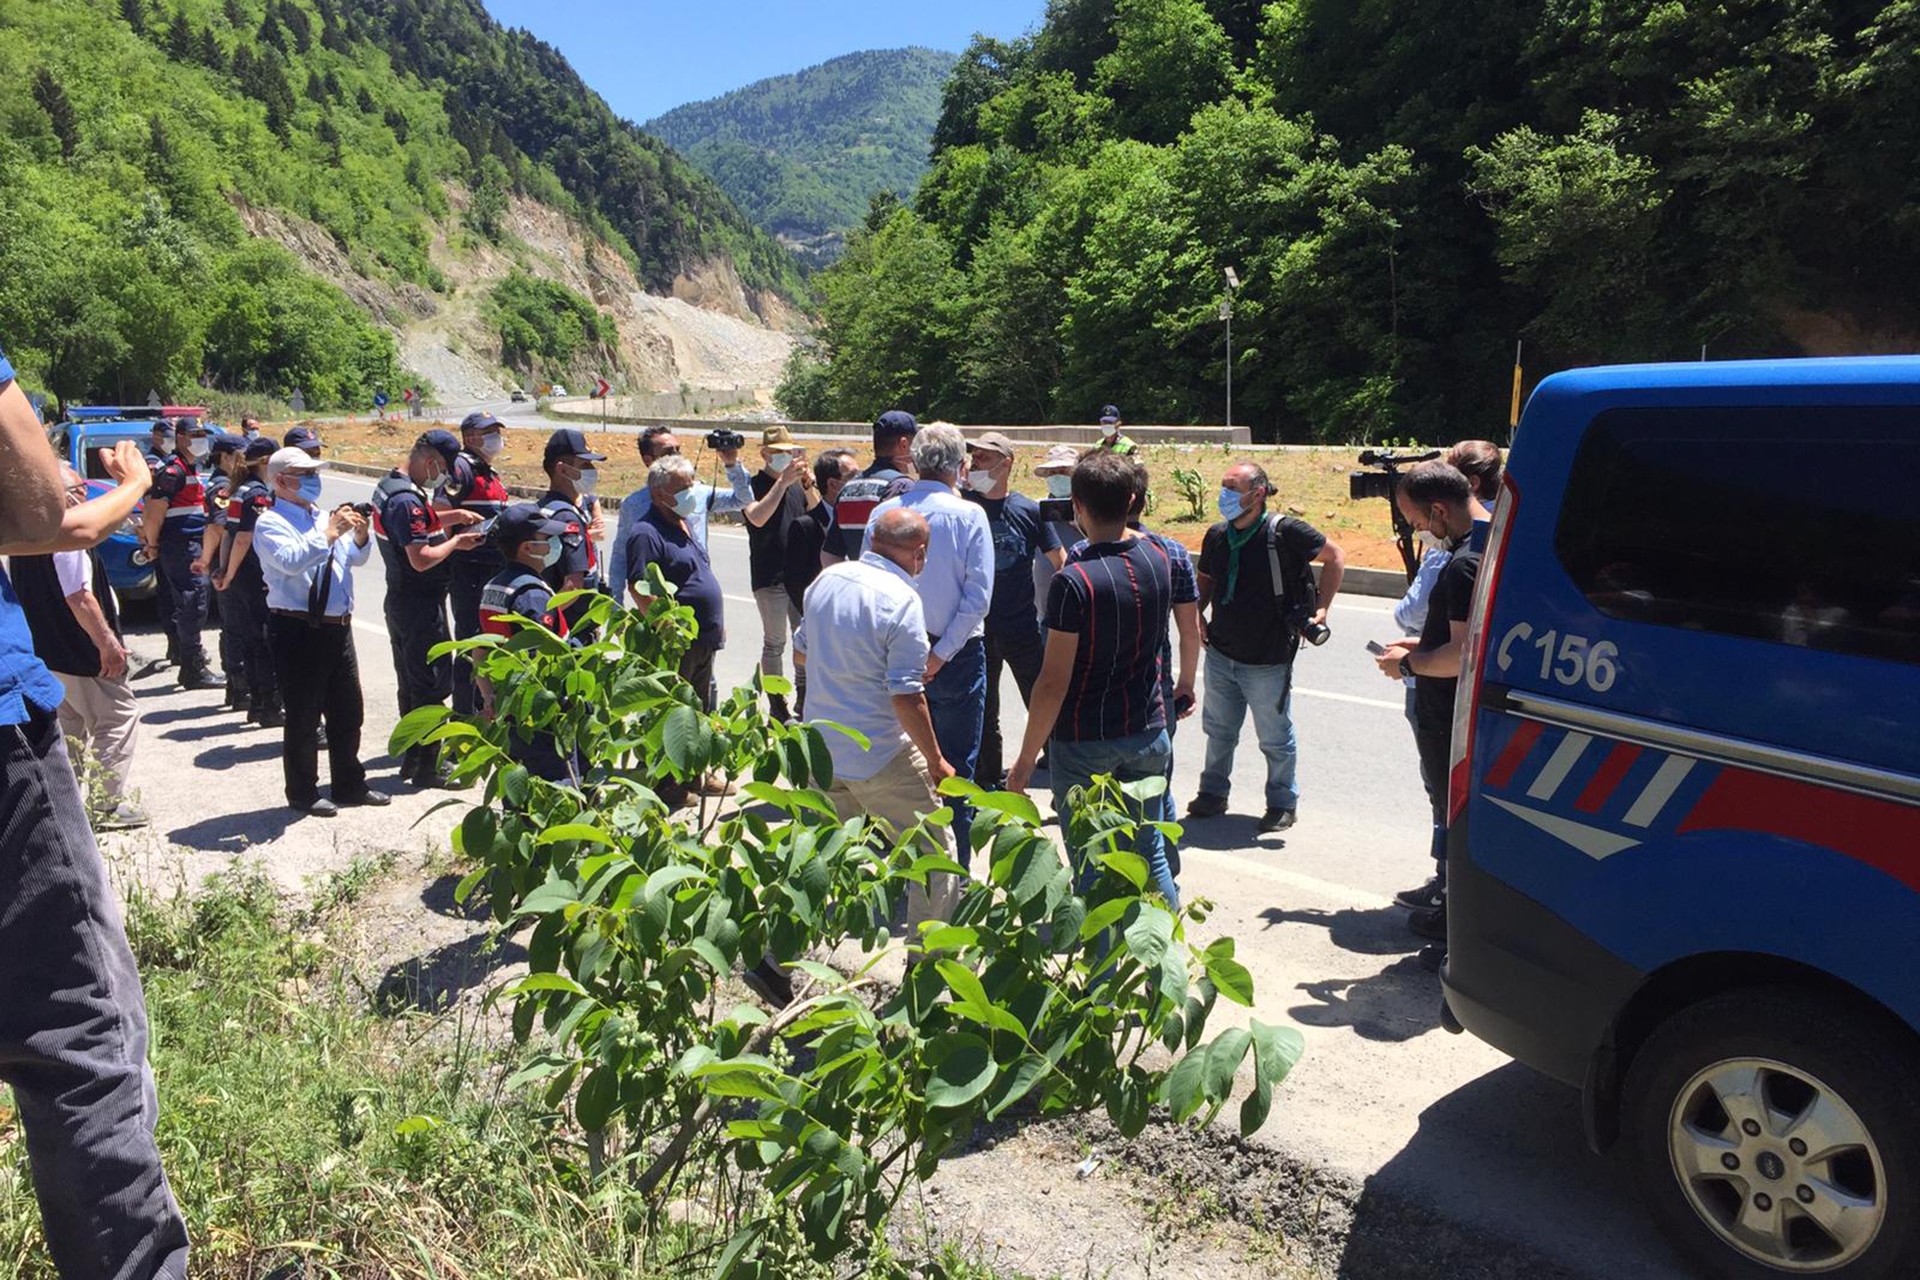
898	797
101	715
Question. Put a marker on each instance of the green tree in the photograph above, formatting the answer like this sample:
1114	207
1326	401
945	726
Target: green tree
488	203
52	97
886	321
1170	59
134	14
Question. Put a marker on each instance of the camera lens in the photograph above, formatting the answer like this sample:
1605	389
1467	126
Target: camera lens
1316	633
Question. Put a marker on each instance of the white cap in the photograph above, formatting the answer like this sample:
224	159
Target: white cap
1061	457
284	460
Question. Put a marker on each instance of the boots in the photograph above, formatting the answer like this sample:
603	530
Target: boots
198	675
266	710
237	699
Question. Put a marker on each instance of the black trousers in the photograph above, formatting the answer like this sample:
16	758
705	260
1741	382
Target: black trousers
1023	652
73	1027
696	668
248	596
416	622
319	674
190	593
1436	746
472	570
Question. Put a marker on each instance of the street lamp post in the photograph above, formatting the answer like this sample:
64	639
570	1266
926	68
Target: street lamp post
1226	313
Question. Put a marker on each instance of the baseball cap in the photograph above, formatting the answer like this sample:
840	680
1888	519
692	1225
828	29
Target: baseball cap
994	440
893	424
777	437
523	522
260	447
1109	414
571	442
291	458
190	426
478	420
444	443
302	438
1061	457
224	443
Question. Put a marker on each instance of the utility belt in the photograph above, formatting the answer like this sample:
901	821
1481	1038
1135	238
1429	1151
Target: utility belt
312	620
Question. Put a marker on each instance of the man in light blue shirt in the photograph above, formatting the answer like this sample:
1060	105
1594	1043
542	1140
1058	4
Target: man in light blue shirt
955	592
657	443
308	562
863	641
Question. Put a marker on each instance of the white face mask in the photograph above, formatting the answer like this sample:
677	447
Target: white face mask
587	481
980	481
1428	541
778	462
199	447
1059	486
490	444
685	504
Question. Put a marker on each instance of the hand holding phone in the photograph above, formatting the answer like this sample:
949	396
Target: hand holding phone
1376	648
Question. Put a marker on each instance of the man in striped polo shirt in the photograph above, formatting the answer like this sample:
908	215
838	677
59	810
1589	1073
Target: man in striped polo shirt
1097	706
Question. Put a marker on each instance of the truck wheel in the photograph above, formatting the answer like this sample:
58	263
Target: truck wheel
1771	1134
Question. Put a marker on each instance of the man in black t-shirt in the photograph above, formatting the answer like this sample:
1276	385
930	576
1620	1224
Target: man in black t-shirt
1097	706
1435	498
1252	631
783	492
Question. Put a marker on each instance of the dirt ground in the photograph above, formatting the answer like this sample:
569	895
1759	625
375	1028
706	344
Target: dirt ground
1312	483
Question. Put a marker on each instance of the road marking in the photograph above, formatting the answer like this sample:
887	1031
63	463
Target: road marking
1353	698
1667	781
1343	894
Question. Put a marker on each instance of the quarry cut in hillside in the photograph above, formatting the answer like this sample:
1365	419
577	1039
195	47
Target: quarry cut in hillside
713	332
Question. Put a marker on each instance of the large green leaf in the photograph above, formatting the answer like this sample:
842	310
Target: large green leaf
1182	1087
1231	978
584	832
551	896
1275	1051
1149	936
960	1068
1224	1057
686	740
599	1094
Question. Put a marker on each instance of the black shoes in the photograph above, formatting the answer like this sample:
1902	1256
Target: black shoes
769	983
200	677
1206	806
1430	924
369	797
777	707
321	808
269	716
1276	820
1425	898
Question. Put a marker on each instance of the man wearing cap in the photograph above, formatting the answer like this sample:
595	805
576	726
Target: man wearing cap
417	542
570	500
302	438
1113	440
1020	538
173	525
308	560
242	586
527	537
888	476
955	590
783	492
229	464
1055	470
657	443
472	485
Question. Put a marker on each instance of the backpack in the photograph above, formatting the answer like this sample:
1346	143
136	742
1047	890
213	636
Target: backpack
1294	589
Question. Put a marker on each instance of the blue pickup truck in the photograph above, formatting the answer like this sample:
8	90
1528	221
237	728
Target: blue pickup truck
1684	860
83	434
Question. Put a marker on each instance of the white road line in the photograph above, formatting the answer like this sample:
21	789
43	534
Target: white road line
1353	698
1559	766
1659	791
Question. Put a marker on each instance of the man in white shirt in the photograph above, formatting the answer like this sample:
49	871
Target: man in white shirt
308	562
863	640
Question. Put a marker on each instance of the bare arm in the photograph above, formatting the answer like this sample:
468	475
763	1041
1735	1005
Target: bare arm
1442	663
1186	620
242	543
1057	557
422	556
1049	692
92	522
761	510
29	473
1333	567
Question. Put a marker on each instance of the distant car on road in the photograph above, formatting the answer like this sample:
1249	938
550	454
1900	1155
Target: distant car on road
518	395
558	391
82	435
1684	855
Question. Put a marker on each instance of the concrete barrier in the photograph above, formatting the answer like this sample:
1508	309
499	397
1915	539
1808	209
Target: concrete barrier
587	412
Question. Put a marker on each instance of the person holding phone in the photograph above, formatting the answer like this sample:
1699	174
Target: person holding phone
783	493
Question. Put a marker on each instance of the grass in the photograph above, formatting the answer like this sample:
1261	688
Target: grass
1311	483
307	1136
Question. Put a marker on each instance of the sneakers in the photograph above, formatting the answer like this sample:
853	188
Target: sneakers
1205	805
1430	924
267	717
1276	820
1425	898
122	817
1432	957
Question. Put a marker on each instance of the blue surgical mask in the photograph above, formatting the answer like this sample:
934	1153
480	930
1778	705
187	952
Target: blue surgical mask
685	504
1232	504
1059	486
310	488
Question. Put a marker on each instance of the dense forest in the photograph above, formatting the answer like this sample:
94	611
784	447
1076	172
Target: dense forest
138	138
1405	190
803	154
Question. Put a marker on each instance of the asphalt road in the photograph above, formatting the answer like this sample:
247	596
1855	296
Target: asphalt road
1382	1095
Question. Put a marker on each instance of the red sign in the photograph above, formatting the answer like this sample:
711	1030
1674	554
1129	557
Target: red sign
409	395
600	388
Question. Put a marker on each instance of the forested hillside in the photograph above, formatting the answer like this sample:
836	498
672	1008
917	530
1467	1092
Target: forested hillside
1404	188
142	144
803	154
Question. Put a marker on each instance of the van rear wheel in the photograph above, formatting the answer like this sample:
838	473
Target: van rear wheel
1769	1132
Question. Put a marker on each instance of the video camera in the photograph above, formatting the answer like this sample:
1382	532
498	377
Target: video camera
1385	483
725	439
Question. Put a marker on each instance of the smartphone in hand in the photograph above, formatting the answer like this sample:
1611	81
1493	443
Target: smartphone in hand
1375	648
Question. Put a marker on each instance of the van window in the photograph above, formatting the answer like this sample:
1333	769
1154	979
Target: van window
1799	526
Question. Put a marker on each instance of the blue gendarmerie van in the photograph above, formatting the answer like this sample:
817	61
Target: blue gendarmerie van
1684	860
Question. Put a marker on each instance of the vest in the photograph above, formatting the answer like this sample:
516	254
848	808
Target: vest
502	596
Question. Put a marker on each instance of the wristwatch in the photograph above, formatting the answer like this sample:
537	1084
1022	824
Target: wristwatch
1406	666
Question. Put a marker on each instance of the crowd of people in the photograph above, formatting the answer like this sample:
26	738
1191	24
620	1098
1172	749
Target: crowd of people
904	589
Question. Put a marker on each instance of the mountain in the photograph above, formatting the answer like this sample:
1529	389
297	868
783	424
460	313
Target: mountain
251	196
804	154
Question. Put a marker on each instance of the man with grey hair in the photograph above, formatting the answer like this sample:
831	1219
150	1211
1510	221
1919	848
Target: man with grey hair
863	641
955	591
662	537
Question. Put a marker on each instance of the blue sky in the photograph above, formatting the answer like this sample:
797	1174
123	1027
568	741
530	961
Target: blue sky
649	56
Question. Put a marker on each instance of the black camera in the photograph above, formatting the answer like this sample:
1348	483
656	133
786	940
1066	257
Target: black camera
1314	633
1057	510
1385	483
725	439
364	508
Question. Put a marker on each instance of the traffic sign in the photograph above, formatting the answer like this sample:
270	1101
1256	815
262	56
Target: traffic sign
600	388
298	403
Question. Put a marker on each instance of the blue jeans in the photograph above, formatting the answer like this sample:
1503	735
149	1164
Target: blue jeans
957	699
1234	688
1140	755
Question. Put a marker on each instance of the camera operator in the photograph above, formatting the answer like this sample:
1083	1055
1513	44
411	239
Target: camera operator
1257	600
784	492
660	442
308	561
1435	498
